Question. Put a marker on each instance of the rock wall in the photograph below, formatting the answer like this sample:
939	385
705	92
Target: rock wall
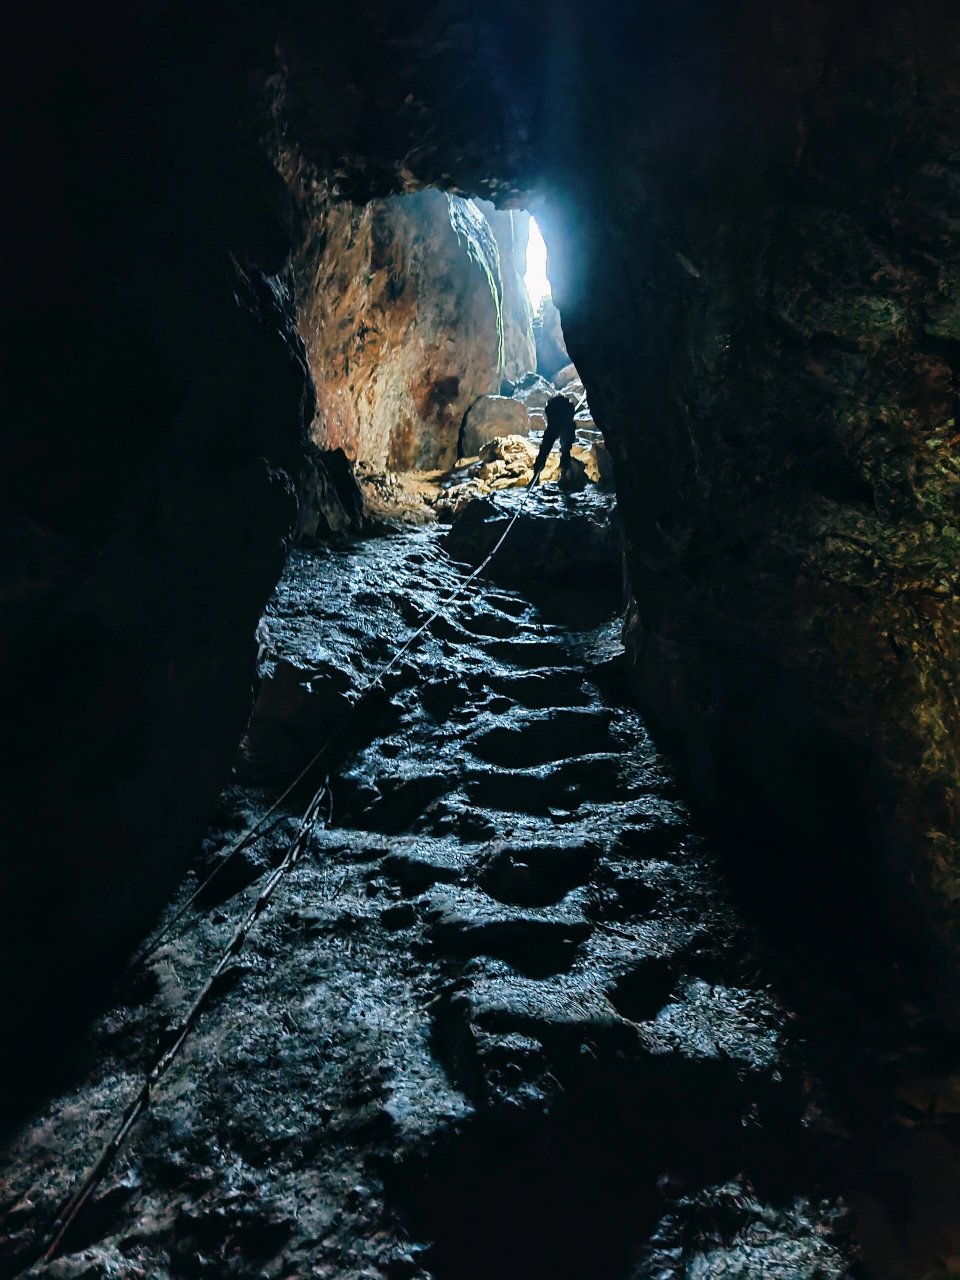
512	230
750	217
787	448
153	425
401	326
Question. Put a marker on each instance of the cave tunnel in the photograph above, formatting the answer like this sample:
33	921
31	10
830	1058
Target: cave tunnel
418	861
535	277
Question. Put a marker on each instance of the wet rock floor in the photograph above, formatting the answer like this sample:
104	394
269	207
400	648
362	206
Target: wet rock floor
503	1020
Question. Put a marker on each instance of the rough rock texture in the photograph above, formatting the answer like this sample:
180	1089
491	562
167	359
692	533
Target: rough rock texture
488	417
153	432
400	324
534	390
556	540
331	501
750	219
502	1020
512	230
786	441
507	462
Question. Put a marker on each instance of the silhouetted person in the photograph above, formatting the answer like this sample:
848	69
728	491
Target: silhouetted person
560	426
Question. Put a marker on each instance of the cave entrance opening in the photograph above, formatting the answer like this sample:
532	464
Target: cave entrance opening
432	335
535	277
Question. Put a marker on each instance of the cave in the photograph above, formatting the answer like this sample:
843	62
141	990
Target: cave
418	861
535	277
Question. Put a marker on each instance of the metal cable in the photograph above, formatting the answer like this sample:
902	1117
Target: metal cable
253	832
139	1104
74	1205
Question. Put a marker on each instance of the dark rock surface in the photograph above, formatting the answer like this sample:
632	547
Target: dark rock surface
506	990
331	501
784	440
489	417
749	221
558	539
506	1018
155	407
750	216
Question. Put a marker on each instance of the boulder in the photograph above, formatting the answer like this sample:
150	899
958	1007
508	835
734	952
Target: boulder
565	376
508	449
490	417
534	391
581	545
331	501
507	462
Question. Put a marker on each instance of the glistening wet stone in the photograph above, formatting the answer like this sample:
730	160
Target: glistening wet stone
532	740
496	1023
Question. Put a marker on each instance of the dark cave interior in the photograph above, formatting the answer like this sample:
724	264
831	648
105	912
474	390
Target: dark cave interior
625	939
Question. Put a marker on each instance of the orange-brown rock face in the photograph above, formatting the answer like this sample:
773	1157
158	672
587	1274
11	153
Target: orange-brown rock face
401	326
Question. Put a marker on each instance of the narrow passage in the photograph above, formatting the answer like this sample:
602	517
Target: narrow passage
502	1021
